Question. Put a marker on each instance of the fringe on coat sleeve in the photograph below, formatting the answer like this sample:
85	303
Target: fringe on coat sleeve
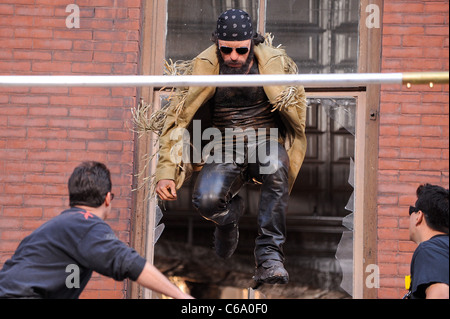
145	119
291	96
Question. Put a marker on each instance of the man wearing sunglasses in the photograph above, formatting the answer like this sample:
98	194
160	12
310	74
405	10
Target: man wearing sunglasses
238	49
428	227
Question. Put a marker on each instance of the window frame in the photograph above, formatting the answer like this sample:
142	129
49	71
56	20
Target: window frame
366	142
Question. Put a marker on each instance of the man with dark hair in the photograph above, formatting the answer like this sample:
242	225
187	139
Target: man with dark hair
272	157
428	228
57	260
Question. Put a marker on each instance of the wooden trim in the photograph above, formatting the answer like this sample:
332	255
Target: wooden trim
151	63
370	62
359	216
262	16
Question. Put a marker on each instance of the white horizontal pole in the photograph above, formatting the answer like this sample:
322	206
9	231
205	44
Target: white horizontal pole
307	80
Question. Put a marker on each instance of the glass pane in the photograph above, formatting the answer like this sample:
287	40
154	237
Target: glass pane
191	23
322	187
321	36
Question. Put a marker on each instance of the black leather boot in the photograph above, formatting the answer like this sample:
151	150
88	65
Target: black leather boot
271	272
269	256
226	239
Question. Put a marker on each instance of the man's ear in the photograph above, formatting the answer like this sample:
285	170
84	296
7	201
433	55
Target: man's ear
420	218
108	199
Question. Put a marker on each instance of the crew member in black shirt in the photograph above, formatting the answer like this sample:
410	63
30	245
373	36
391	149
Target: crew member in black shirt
428	228
57	260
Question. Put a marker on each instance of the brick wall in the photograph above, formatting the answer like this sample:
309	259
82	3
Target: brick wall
414	129
46	132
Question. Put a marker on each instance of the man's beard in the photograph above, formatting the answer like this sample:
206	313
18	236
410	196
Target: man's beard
224	69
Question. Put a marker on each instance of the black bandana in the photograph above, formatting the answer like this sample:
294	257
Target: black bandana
234	25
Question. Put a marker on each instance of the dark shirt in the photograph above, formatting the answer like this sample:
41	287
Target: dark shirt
429	265
62	253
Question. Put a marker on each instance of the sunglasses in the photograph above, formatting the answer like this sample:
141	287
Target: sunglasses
228	50
413	209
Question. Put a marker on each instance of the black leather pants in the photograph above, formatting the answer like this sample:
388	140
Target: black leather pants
216	196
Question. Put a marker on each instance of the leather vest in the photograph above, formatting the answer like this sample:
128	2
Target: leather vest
243	107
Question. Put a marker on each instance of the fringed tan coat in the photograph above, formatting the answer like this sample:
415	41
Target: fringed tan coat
289	101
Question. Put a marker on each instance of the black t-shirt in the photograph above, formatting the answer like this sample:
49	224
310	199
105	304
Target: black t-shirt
58	258
429	265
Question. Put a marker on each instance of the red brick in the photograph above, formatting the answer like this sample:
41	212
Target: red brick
52	44
49	22
414	176
68	123
387	245
32	33
436	30
423	41
402	7
65	145
388	222
407	246
47	132
52	67
434	164
6	9
20	21
88	113
12	67
47	155
436	6
87	135
419	152
69	100
92	68
403	30
32	55
91	91
29	99
104	146
73	56
390	141
109	57
73	34
389	153
411	130
25	144
111	13
34	11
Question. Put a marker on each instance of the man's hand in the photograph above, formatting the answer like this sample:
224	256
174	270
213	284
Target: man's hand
166	190
153	279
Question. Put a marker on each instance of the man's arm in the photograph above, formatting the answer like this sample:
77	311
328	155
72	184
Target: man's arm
437	291
153	279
